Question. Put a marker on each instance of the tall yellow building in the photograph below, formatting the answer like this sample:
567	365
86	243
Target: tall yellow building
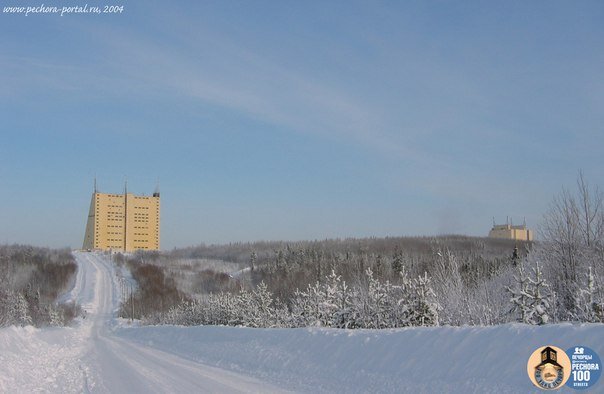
122	222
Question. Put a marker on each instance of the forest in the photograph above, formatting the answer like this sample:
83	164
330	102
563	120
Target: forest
390	282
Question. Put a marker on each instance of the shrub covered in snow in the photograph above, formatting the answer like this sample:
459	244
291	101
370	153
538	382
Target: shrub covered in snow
331	303
31	279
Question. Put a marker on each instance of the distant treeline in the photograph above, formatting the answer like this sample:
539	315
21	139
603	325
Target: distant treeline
414	249
285	266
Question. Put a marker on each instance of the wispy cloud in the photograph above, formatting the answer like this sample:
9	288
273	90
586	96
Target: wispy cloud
435	113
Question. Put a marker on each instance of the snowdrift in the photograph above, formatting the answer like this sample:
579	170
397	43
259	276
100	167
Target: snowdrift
31	358
439	359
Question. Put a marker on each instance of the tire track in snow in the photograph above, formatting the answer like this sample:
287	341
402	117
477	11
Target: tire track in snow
89	358
120	365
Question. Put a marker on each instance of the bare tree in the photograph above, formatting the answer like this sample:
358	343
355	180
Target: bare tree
573	238
561	233
591	218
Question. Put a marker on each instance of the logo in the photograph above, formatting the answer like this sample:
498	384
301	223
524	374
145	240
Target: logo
548	367
586	367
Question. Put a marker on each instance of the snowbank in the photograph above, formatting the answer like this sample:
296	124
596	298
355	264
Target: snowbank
440	359
31	358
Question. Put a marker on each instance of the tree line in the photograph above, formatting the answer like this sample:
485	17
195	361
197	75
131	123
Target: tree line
376	282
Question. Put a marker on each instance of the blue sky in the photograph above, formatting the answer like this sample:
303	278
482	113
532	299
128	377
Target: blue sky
299	120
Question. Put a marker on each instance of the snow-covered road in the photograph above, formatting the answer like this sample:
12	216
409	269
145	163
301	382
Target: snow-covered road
100	354
89	358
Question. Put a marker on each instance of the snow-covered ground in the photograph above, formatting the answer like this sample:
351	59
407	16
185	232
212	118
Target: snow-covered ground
102	355
91	358
430	360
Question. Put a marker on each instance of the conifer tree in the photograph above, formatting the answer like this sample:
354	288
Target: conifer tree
424	312
540	297
397	262
520	298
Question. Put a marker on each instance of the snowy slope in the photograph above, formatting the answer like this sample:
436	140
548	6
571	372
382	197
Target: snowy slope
100	355
434	360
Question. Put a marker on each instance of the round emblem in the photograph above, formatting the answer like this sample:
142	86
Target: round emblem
548	367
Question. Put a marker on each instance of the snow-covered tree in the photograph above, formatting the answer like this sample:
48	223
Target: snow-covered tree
424	310
589	301
331	303
397	262
300	309
540	296
532	297
253	259
263	300
378	303
573	239
520	297
55	317
21	310
450	288
402	298
338	302
249	308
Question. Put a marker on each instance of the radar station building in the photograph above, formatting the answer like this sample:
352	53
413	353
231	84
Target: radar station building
509	231
122	222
